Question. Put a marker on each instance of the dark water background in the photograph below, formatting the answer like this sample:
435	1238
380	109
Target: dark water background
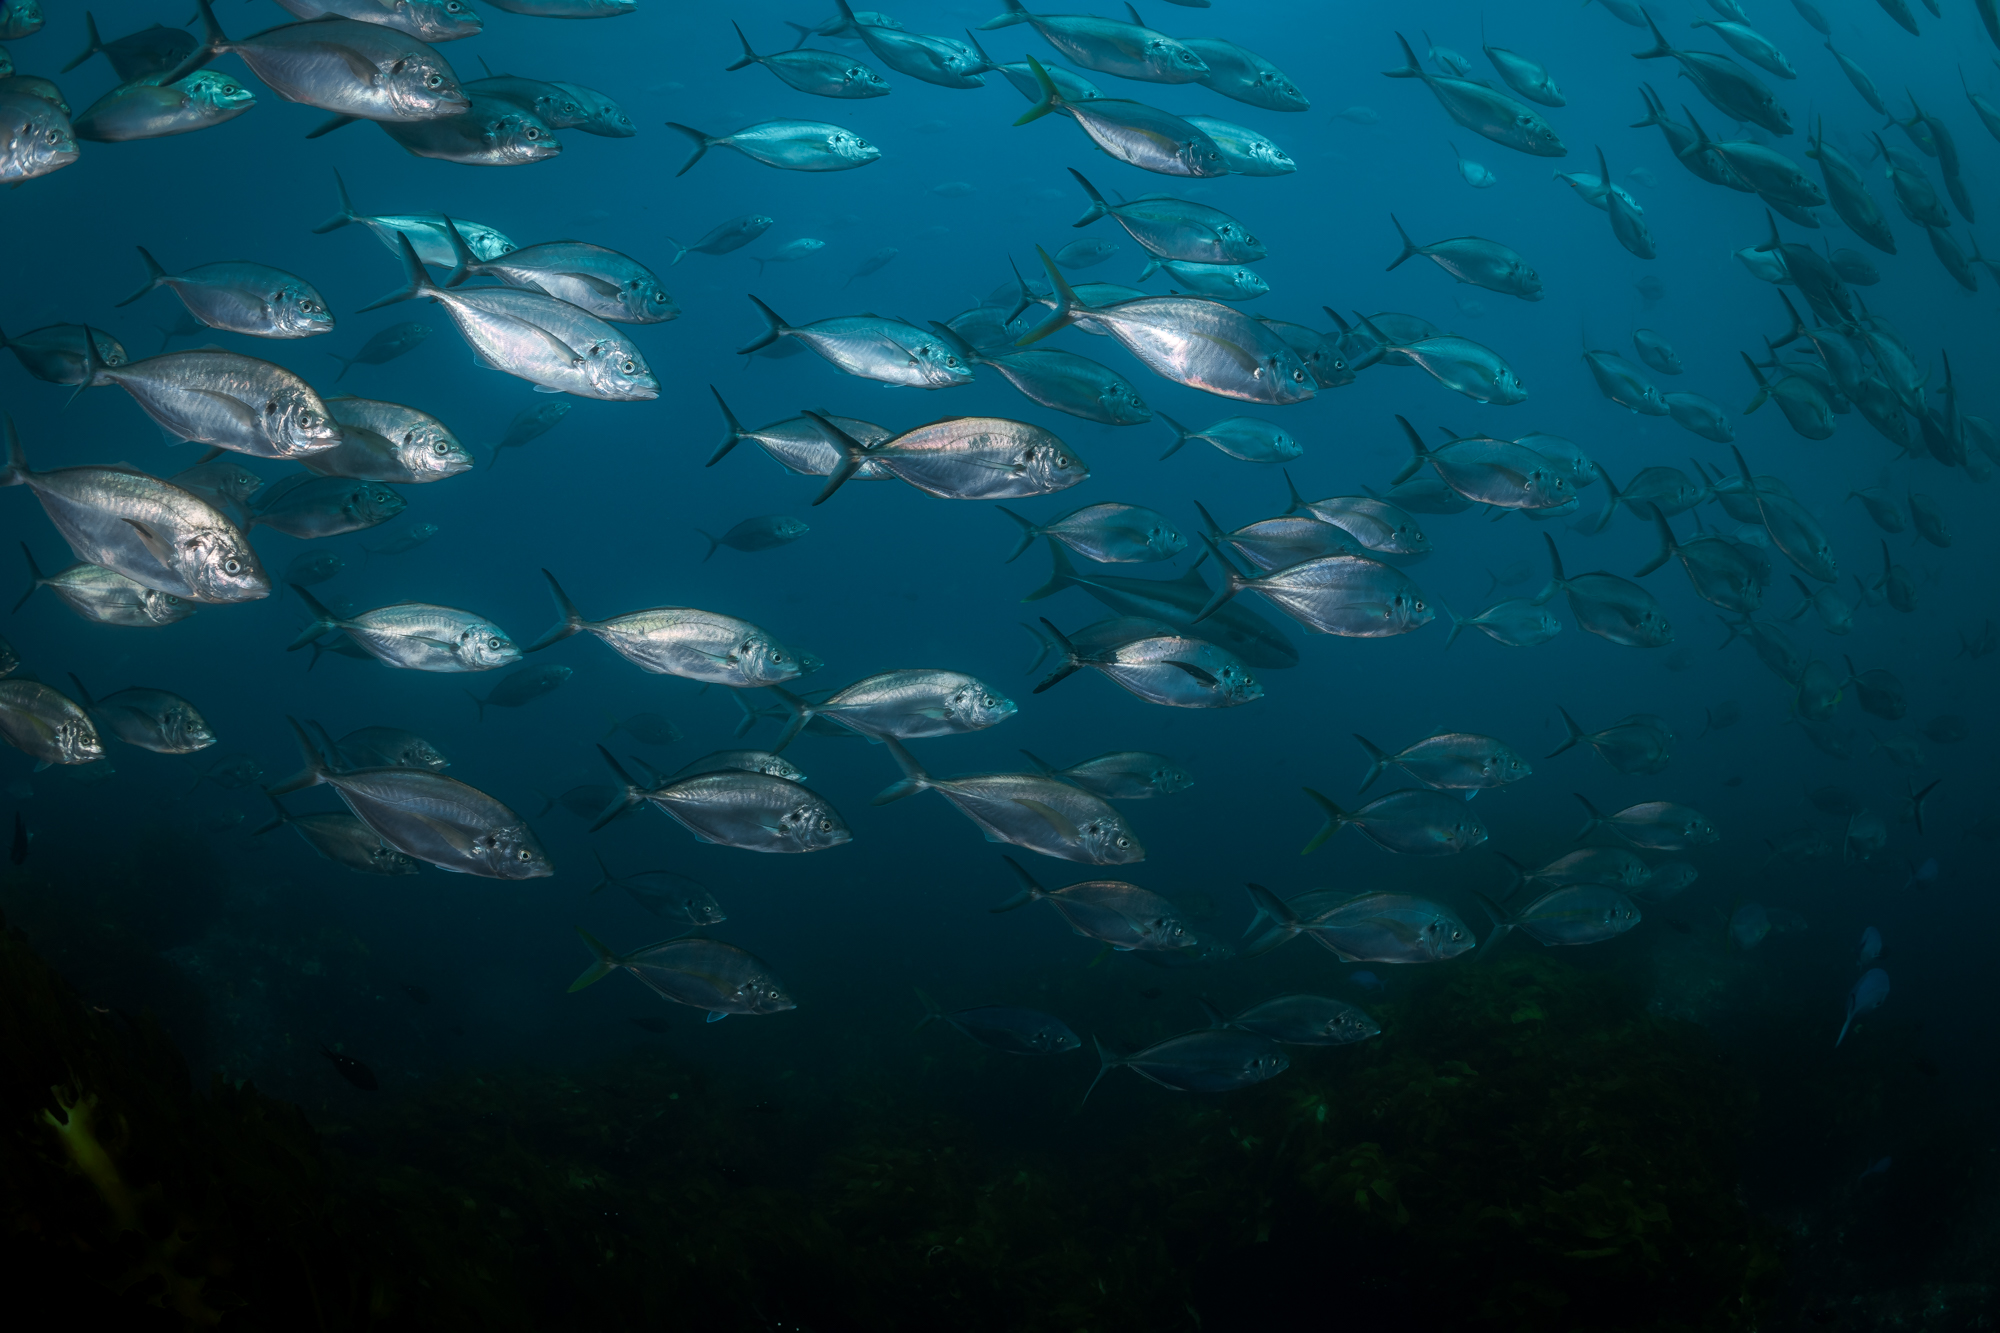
293	952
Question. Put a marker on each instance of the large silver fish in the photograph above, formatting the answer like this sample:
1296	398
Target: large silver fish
681	641
224	399
963	458
426	815
1247	152
1485	111
1659	826
490	133
609	285
429	20
1450	761
1610	607
312	507
703	974
1244	76
1167	667
414	635
1122	775
789	145
731	807
1490	471
1109	46
908	704
430	233
35	138
1734	90
1175	228
944	61
821	73
1029	810
1459	364
1366	927
154	533
1176	602
104	596
550	343
1060	380
156	720
339	65
46	725
1122	915
146	110
1415	821
389	442
241	297
799	446
1202	344
1132	132
870	347
1348	595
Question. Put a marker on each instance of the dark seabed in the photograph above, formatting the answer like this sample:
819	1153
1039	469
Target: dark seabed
251	1086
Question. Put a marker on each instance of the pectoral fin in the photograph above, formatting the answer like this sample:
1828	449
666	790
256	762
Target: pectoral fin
1057	820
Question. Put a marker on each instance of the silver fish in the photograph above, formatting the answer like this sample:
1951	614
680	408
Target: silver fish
1244	150
154	533
1610	607
1168	668
1735	91
724	237
415	635
1367	927
389	442
1722	572
1122	915
1209	1060
1348	595
1639	743
548	342
490	133
1487	113
426	815
341	839
1450	761
1415	821
1476	261
1132	132
145	110
1224	282
1275	543
36	138
703	974
430	233
312	507
1490	471
1375	524
681	641
801	447
870	347
1459	364
153	50
223	399
1109	46
744	761
731	807
1245	76
46	725
389	747
790	145
1613	866
1621	382
1029	810
1659	826
821	73
1246	438
908	704
1108	532
1302	1020
431	20
106	597
609	285
1521	622
1061	380
1122	775
962	458
155	720
1175	228
1575	914
241	297
1006	1028
339	65
944	61
54	353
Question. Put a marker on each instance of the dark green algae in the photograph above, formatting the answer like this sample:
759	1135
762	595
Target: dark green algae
1524	1148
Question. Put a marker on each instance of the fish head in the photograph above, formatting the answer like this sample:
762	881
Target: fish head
777	766
976	706
1052	465
761	994
297	422
1506	766
44	141
421	86
762	660
1165	541
1166	779
701	908
1052	1039
218	92
1507	388
420	753
1122	403
1408	608
1108	842
1238	241
1445	936
857	80
482	647
616	371
373	500
1284	377
299	311
77	741
1277	88
812	825
163	608
1167	931
220	566
440	20
1200	157
1350	1025
431	451
940	366
187	730
1536	137
513	852
518	139
1248	283
648	302
851	147
1239	684
1168	56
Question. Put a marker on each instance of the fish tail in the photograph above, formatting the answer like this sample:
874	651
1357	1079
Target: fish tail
714	544
1502	923
93	366
1029	890
155	275
1062	574
14	472
213	39
322	620
1379	760
346	364
1593	817
914	778
774	329
1576	733
96	44
1284	921
1655	111
1180	433
1556	579
607	962
280	817
1419	455
749	718
344	215
463	262
750	57
1660	48
853	454
1411	69
315	769
1335	817
1070	664
1044	646
1107	1060
571	620
329	125
1214	528
702	143
477	702
1611	498
680	251
1098	208
416	282
1066	304
985	61
1016	12
1041	765
1153	265
731	426
1410	248
1028	533
802	713
623	802
1668	546
932	1013
35	580
1233	582
1457	625
1298	501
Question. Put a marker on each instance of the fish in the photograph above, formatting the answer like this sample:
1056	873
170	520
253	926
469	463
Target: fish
106	597
431	20
383	346
1347	595
1623	383
874	263
351	1069
1835	615
1132	132
145	110
1573	914
890	351
1223	282
1302	1020
1732	89
1414	821
1108	532
790	252
1121	775
1852	201
46	725
1029	810
1110	46
681	641
154	533
54	353
1489	471
1005	1028
1168	668
133	57
1475	174
428	816
734	807
1659	826
1656	352
552	344
341	839
1450	761
240	297
1929	520
1175	228
1947	729
521	687
909	704
1878	692
614	287
1459	364
1722	572
1771	646
1475	261
962	458
1610	607
601	116
1793	530
224	399
367	70
1276	543
1245	151
36	138
1057	379
724	237
700	973
1207	1060
820	73
684	899
1123	916
1518	623
151	719
1872	989
800	446
429	233
1752	45
1367	927
388	442
1637	743
1486	112
417	636
1177	602
1244	438
311	507
1527	77
789	145
407	540
757	534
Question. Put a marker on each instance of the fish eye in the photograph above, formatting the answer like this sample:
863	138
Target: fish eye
533	133
492	642
524	855
628	365
825	825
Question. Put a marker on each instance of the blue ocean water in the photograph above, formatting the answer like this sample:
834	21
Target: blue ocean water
611	502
